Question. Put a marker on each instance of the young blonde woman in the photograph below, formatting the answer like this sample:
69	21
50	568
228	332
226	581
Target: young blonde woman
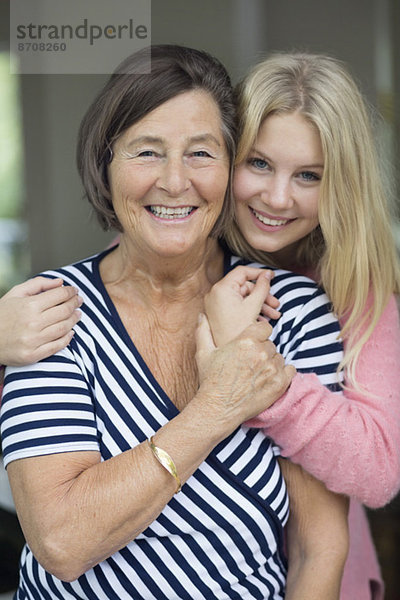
309	198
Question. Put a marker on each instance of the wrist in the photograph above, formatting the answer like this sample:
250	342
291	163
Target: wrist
189	437
223	337
166	461
212	415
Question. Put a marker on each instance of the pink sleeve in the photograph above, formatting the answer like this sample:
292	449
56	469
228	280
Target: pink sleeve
349	440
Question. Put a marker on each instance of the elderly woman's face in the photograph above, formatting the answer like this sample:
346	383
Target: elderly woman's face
169	175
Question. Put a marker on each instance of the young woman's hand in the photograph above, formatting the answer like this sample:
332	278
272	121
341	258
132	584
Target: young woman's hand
36	320
242	297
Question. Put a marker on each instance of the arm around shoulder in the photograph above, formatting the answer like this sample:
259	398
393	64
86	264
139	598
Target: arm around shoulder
349	440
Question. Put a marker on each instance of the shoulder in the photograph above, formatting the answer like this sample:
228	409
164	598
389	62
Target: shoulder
83	274
286	285
302	302
74	271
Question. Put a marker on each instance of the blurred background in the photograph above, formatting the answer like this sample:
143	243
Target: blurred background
44	222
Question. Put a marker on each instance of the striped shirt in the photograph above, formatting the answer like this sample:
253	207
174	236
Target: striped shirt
221	536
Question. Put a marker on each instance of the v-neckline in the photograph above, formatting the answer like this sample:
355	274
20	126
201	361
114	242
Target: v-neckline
120	327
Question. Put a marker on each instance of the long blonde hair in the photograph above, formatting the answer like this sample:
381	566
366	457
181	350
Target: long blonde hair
353	248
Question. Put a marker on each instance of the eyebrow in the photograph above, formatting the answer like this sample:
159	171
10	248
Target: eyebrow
147	139
150	139
316	166
205	137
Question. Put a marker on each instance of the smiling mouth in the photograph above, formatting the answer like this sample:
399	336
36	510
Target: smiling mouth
169	213
267	221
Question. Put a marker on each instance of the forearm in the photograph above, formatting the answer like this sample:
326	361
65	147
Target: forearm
350	443
317	537
98	509
308	421
314	578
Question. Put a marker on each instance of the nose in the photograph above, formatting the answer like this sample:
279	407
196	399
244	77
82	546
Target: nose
278	193
174	178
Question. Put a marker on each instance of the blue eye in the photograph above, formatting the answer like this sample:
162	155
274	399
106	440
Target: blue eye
146	153
258	163
309	176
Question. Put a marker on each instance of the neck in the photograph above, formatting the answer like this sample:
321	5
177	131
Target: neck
286	257
157	279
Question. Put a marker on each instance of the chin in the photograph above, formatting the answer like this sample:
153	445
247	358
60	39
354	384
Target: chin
264	245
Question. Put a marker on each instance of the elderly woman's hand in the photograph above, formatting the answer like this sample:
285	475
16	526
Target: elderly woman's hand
237	300
36	320
244	377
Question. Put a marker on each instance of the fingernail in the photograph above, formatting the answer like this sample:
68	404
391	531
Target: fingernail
268	274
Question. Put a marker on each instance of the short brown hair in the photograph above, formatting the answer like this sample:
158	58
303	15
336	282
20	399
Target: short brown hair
129	96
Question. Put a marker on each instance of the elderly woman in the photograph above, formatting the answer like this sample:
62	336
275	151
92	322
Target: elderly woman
131	472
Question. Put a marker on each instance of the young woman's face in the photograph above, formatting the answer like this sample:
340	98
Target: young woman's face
277	187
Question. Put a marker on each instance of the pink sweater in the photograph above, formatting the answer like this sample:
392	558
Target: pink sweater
350	441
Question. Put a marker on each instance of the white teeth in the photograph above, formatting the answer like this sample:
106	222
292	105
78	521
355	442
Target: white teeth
171	213
267	221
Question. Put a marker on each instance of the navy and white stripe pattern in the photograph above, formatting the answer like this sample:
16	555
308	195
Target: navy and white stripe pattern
221	536
307	332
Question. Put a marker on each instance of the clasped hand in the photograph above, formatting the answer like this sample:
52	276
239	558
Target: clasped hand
239	299
245	376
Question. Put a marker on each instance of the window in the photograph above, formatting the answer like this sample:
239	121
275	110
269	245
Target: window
13	248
